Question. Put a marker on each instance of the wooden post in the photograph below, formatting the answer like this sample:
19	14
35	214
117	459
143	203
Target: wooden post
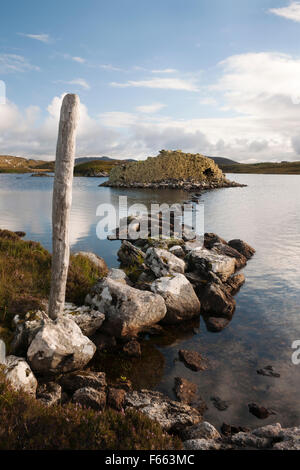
61	203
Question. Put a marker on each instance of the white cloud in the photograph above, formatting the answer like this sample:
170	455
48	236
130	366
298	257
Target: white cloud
80	60
165	71
150	108
38	37
15	63
110	67
163	83
291	12
80	82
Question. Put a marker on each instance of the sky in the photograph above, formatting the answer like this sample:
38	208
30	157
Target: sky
218	77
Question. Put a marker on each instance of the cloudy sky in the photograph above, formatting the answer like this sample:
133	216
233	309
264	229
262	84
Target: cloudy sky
219	77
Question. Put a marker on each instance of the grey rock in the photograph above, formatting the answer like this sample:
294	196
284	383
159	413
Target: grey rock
82	379
202	260
127	310
49	393
180	298
171	415
19	375
59	346
202	444
88	319
162	262
202	430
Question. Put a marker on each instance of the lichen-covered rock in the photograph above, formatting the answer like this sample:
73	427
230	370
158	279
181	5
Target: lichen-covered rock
243	439
171	415
202	430
25	331
90	398
82	379
49	393
19	375
180	298
127	310
59	346
163	263
226	250
177	250
203	261
118	275
202	444
88	319
290	439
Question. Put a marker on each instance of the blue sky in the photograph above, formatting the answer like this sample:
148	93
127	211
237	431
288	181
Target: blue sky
218	77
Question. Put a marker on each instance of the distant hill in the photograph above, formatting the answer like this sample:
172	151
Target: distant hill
98	167
283	168
223	161
105	159
11	164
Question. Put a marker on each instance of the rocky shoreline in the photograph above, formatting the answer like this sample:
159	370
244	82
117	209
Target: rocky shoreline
185	185
161	284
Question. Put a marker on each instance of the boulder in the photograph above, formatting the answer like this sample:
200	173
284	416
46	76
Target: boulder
226	250
217	301
203	261
19	375
290	439
242	247
235	282
82	379
193	360
129	254
59	346
90	398
118	275
185	390
162	262
177	250
127	310
210	239
96	260
180	298
49	393
25	331
88	319
247	440
171	415
202	430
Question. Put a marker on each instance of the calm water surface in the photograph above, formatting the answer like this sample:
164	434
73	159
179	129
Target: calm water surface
267	319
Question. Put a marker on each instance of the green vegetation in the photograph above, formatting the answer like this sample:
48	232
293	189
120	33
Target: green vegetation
10	164
283	168
25	278
26	424
93	167
174	165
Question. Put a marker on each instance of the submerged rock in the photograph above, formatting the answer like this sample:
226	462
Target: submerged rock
163	263
19	375
185	390
216	324
132	349
193	360
59	346
171	415
268	371
260	411
179	296
127	310
220	404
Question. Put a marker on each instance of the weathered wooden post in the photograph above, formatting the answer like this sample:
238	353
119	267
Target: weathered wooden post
61	202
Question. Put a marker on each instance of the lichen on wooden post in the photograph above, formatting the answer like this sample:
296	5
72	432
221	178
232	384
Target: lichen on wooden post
61	202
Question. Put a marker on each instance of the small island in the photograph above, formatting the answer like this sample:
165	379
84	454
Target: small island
171	169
